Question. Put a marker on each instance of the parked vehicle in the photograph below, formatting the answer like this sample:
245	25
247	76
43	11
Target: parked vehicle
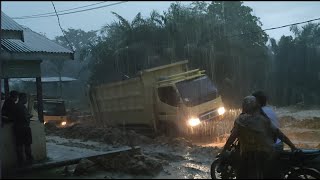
54	111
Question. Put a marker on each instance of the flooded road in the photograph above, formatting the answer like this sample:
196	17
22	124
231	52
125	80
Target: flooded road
179	158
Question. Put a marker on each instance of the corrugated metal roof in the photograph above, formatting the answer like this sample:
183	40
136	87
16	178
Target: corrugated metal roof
41	43
9	24
33	42
15	45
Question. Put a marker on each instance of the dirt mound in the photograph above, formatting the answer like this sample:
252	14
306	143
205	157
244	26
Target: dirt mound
111	136
167	156
132	163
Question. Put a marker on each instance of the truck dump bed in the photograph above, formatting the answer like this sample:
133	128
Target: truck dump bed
130	102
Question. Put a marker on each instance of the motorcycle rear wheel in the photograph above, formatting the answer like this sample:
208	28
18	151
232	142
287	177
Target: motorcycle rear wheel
225	174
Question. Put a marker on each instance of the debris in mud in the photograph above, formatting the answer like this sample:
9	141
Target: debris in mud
205	151
193	170
66	170
84	166
168	157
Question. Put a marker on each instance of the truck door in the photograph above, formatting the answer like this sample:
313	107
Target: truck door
167	104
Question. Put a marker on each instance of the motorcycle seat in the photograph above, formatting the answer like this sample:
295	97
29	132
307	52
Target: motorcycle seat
311	151
305	154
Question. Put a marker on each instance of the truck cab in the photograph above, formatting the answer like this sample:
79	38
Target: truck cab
188	100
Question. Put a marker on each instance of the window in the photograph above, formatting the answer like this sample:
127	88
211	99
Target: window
197	91
168	95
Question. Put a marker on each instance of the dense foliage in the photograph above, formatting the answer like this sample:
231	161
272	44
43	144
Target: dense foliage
224	38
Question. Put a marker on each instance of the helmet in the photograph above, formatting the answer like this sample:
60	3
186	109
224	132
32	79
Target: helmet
249	104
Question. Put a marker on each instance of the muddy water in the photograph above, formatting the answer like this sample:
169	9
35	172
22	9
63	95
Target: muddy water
302	126
191	158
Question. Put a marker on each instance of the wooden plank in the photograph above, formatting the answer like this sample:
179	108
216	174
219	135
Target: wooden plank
54	164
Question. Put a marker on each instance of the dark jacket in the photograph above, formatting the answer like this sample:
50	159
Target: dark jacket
22	116
9	110
21	125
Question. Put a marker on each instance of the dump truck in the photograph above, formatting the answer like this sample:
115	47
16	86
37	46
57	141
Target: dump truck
167	98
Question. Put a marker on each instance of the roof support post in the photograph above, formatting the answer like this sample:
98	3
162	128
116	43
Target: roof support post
0	110
39	99
6	87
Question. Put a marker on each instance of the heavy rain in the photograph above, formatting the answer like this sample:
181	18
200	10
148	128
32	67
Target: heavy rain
159	89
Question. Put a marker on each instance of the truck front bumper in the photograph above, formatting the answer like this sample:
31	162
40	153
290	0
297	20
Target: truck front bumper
209	127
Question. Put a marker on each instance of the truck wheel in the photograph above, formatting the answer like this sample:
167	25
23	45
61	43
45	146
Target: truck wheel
169	129
172	130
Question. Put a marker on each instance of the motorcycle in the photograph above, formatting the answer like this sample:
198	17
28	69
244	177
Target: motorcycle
304	164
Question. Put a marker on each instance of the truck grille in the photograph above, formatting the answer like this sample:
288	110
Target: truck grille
209	115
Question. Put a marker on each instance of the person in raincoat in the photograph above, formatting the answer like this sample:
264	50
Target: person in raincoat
22	131
256	135
261	98
8	108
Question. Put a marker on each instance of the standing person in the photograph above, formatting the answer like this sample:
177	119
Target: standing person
22	131
261	98
8	108
256	136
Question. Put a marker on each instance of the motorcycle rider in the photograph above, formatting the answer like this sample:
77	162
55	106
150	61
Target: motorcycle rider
262	101
256	135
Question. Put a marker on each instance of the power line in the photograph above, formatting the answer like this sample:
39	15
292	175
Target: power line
273	28
64	35
58	11
75	11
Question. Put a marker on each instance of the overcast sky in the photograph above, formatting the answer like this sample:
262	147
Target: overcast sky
271	14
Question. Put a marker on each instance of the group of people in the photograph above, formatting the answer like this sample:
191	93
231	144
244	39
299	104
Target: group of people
14	111
261	140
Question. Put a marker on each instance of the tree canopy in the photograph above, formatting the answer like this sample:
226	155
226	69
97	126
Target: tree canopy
224	38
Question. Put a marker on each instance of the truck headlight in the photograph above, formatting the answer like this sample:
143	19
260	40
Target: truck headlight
221	110
194	122
63	123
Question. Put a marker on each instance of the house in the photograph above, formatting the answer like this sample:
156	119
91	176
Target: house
22	51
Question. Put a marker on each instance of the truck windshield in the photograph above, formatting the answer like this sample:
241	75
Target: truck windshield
197	91
54	109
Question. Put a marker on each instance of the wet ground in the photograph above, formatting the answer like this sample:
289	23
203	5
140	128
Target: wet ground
179	158
183	161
